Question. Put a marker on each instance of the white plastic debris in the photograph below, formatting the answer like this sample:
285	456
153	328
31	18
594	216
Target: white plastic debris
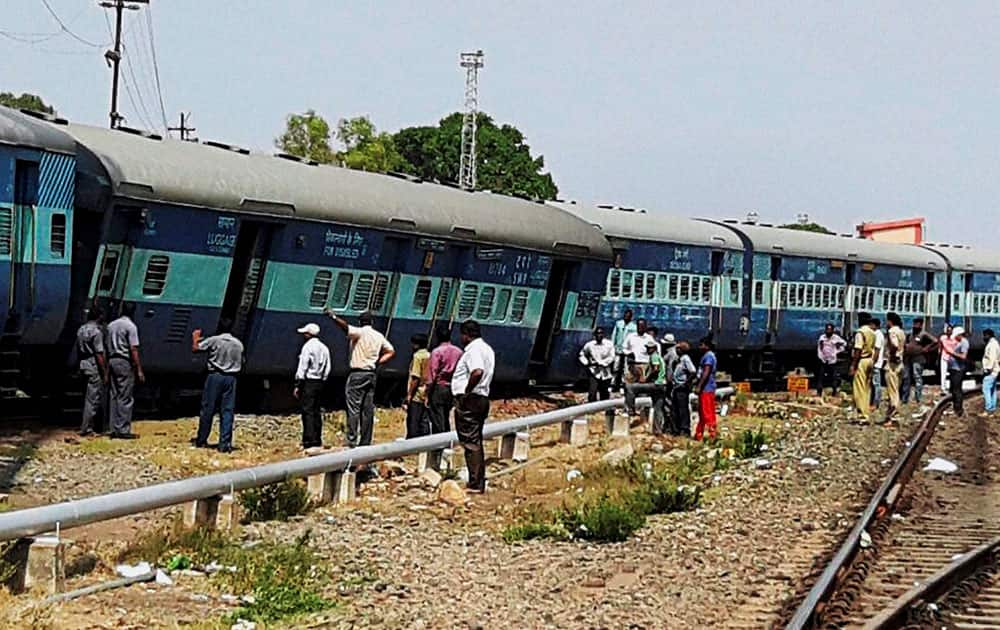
724	411
939	464
763	448
932	607
866	540
133	570
811	462
243	624
896	516
163	579
761	464
573	474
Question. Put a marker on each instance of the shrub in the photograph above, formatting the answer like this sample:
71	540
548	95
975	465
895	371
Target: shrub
529	530
750	443
276	502
605	519
280	599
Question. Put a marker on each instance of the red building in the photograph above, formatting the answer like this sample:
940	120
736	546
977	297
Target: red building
900	231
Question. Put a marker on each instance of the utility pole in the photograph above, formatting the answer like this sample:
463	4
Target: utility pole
114	57
183	128
472	62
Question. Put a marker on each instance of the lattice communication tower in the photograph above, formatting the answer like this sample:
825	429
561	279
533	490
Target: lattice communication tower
472	62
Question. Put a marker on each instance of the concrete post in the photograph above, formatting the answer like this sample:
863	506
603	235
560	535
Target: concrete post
228	513
39	561
336	487
575	432
621	426
505	449
429	460
522	446
201	513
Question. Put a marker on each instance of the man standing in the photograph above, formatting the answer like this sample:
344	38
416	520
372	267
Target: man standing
441	367
635	353
417	423
861	364
623	328
895	343
126	367
680	396
656	387
828	348
670	357
991	368
93	366
310	377
945	343
706	391
598	355
918	345
471	388
958	358
878	363
225	361
369	350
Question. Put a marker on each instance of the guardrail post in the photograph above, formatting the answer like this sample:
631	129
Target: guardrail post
38	561
202	513
620	426
429	460
575	432
505	449
522	446
337	487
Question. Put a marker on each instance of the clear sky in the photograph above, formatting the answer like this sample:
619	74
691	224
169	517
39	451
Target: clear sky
847	111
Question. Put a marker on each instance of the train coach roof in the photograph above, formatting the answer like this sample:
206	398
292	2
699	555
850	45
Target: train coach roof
640	225
222	177
773	240
22	130
963	258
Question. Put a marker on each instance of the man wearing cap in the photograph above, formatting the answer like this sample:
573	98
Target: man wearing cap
369	350
598	356
958	358
655	386
310	376
225	361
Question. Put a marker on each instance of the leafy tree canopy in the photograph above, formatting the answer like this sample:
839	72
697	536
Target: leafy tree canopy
307	135
806	227
26	101
365	148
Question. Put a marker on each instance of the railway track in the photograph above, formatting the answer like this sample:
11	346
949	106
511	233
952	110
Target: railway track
918	524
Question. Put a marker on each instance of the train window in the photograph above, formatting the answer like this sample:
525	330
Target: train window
637	286
956	302
908	302
422	296
156	275
675	293
380	292
650	286
661	287
919	307
467	301
57	235
322	282
824	297
6	230
872	295
444	295
801	295
940	303
485	306
341	290
784	296
614	283
503	303
758	292
706	290
518	306
109	269
811	296
586	309
362	292
685	288
627	284
734	291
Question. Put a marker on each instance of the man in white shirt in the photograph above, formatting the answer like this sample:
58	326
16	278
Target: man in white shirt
470	385
635	353
991	368
878	364
598	356
369	350
310	376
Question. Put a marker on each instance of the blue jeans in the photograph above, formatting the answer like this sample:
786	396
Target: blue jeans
990	392
876	387
913	381
219	395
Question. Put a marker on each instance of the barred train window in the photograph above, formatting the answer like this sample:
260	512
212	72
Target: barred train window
685	288
626	284
706	290
421	296
650	286
467	301
485	306
674	288
614	283
503	303
758	293
362	292
940	304
320	289
518	306
380	292
6	230
57	235
734	291
444	295
638	286
661	286
109	269
342	290
156	275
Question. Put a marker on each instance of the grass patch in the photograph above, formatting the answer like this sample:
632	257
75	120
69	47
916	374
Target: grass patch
276	502
749	443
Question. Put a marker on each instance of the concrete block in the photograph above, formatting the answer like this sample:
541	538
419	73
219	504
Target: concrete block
575	432
227	516
609	421
505	448
429	460
201	513
335	487
345	486
620	426
522	446
37	562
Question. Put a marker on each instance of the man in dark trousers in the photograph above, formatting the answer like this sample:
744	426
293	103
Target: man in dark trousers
417	422
93	366
310	376
444	358
225	361
126	368
471	387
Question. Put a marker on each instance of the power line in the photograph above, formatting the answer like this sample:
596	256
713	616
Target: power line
114	57
66	29
156	69
142	111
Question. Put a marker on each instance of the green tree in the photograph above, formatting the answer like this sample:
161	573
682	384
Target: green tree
365	148
26	101
504	163
307	135
806	227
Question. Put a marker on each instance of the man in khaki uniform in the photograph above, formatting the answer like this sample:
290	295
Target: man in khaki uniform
895	342
862	362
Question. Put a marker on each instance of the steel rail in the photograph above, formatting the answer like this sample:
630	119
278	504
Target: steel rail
880	506
61	516
937	585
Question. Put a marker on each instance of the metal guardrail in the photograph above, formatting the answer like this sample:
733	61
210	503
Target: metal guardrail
879	507
62	516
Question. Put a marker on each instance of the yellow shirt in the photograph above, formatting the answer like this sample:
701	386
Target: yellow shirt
418	370
864	340
897	339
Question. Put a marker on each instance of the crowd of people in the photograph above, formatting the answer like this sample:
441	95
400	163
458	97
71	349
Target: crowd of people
888	360
636	362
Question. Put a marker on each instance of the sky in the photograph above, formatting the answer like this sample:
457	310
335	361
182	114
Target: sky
846	111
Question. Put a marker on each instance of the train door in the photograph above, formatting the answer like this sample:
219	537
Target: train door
967	302
253	243
774	304
549	323
446	299
21	291
930	305
385	298
848	304
718	292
